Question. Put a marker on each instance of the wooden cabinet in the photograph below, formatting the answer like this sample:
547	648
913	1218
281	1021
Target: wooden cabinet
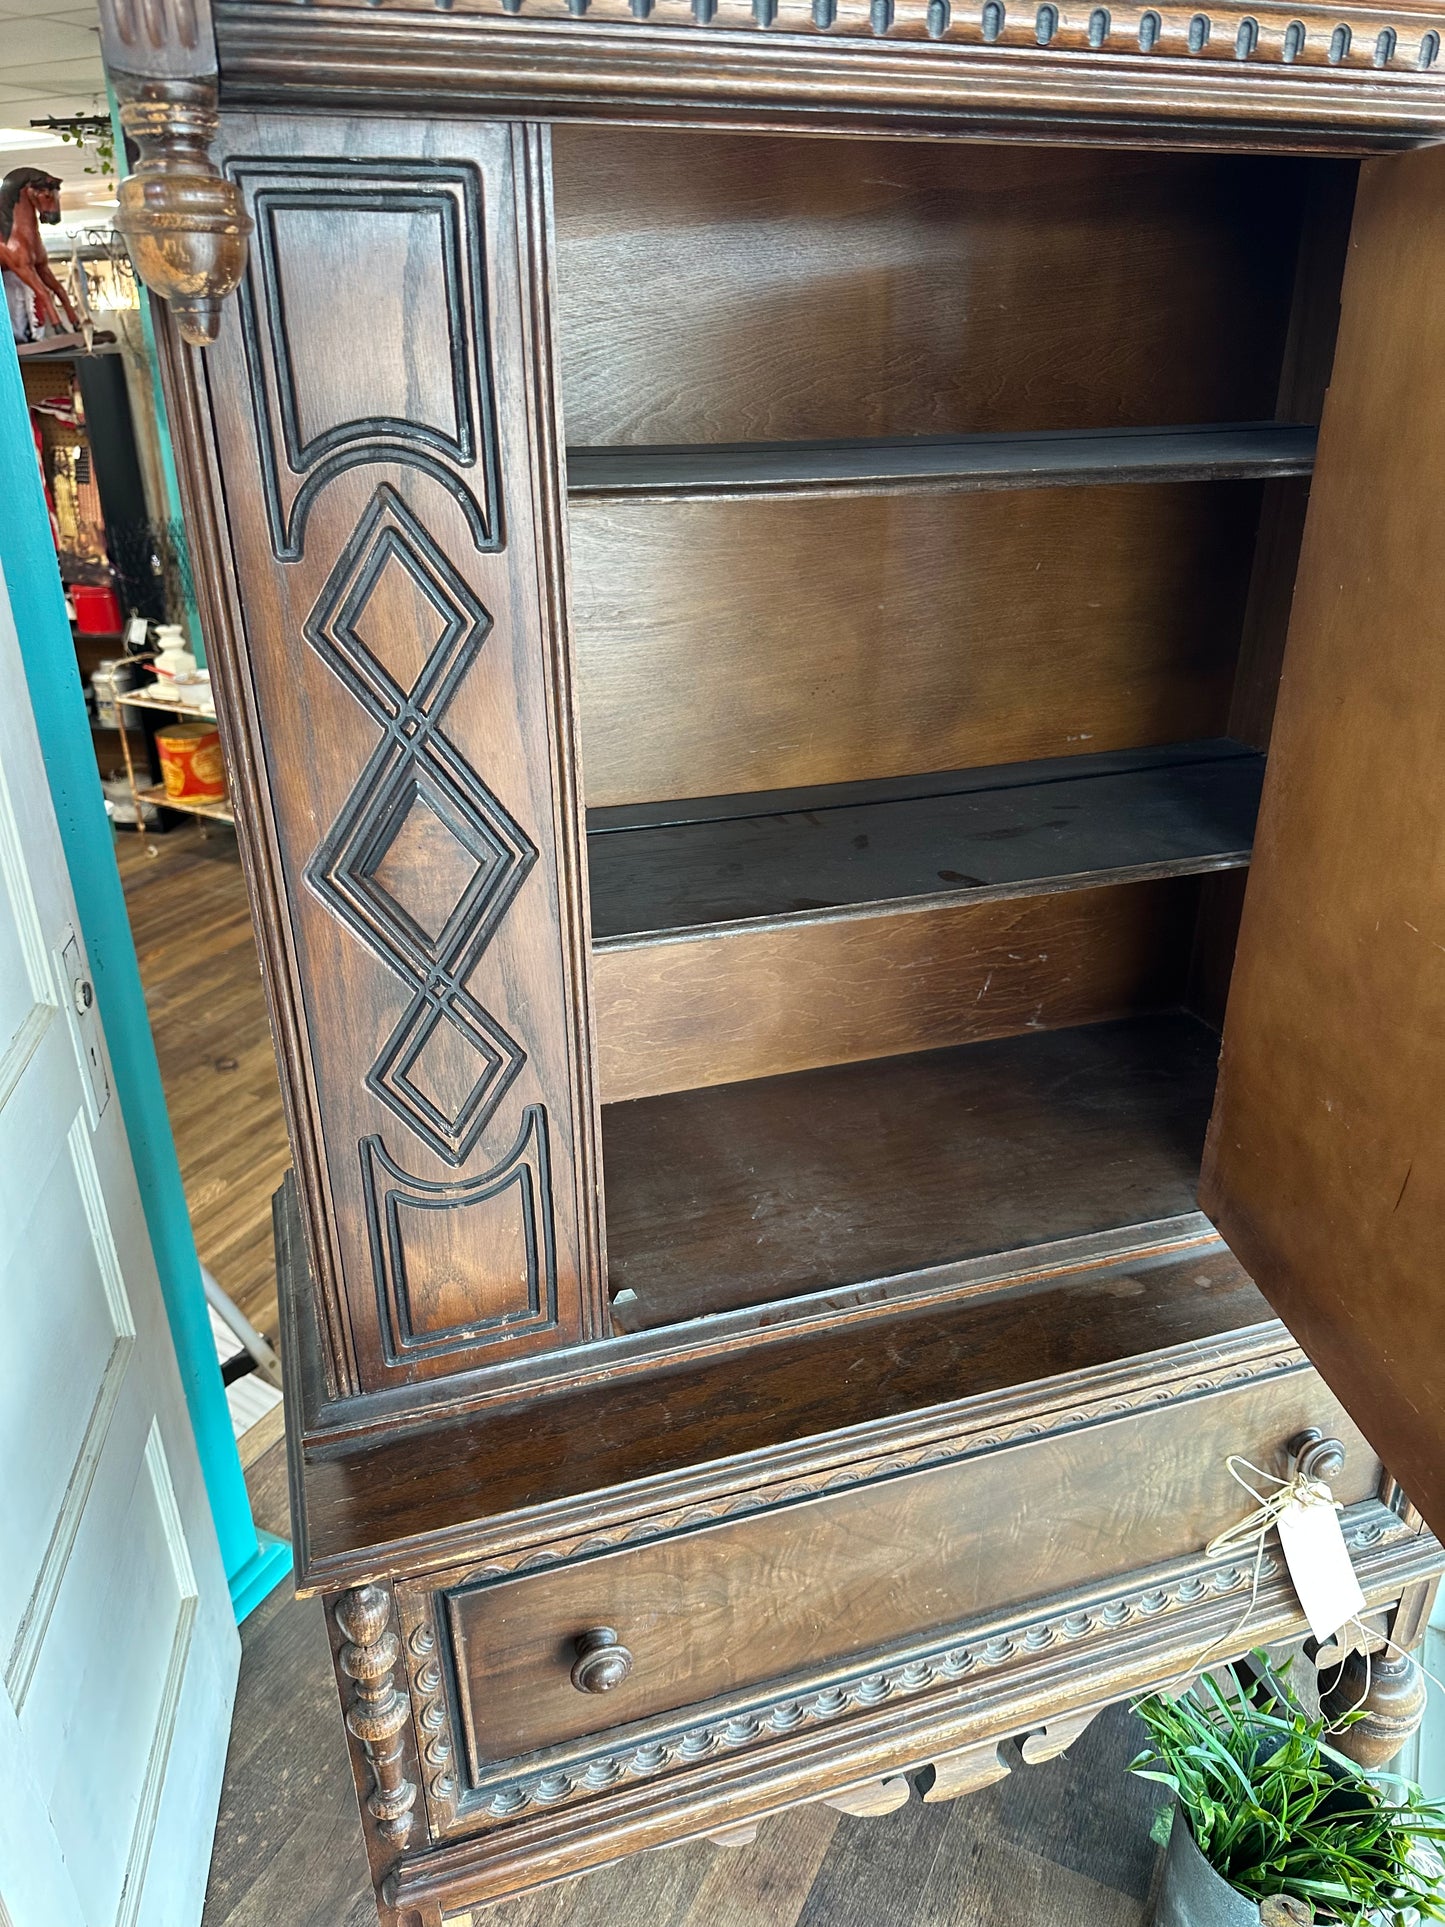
749	663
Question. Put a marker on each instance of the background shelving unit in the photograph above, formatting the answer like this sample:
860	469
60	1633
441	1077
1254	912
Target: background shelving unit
155	794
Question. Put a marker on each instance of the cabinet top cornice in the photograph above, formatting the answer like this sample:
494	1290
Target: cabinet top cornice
1219	75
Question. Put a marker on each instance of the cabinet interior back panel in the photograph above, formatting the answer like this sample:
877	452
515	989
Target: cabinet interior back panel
731	287
751	645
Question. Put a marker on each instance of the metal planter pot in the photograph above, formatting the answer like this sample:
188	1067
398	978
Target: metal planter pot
1192	1894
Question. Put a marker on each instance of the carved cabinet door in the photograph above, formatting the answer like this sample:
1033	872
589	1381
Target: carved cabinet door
384	503
1325	1167
117	1638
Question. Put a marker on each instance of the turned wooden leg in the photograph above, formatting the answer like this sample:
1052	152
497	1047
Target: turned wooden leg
1389	1688
378	1713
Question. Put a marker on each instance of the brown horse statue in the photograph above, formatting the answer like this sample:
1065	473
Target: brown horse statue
29	197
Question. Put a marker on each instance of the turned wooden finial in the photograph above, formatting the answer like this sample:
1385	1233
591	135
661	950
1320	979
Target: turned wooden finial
184	224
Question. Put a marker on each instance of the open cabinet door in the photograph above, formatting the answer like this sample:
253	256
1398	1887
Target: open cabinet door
1325	1167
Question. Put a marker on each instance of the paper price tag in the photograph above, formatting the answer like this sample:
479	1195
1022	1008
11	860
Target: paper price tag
1319	1564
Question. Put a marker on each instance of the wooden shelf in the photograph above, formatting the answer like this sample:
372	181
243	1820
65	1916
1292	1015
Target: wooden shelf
1022	829
1249	451
148	699
900	1168
66	347
217	812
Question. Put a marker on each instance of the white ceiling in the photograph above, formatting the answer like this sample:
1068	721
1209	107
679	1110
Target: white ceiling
50	64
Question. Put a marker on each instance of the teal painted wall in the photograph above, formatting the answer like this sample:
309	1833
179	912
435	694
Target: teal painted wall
255	1562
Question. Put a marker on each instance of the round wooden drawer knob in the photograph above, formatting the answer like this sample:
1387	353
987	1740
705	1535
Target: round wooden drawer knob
1316	1456
602	1661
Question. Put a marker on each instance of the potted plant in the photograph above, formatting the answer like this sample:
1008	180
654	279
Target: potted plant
1271	1825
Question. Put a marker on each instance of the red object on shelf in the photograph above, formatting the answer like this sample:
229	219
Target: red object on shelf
191	764
97	612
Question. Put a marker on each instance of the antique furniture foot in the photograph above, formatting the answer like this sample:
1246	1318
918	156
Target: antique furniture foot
1389	1688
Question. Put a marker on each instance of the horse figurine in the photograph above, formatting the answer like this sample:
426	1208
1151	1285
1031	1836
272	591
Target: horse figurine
28	197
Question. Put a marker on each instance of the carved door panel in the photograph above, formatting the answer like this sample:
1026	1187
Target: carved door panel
400	721
1325	1167
117	1641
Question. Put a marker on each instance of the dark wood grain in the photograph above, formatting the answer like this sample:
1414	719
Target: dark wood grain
288	1845
920	1341
756	644
1175	816
725	1197
757	1000
1326	1165
394	522
1012	1706
1255	451
730	288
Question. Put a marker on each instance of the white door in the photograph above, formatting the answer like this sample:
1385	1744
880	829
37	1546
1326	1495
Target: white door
116	1634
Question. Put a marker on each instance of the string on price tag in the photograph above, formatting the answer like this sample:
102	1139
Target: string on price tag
1305	1513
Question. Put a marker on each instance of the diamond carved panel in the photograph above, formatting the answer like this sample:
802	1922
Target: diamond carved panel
428	862
401	622
422	861
396	619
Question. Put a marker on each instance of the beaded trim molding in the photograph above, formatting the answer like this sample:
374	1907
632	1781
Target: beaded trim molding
1306	37
955	1660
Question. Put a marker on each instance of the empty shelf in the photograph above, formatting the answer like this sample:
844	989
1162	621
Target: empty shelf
742	1194
1023	828
1229	452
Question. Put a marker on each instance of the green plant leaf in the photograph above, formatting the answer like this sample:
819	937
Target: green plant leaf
1275	1810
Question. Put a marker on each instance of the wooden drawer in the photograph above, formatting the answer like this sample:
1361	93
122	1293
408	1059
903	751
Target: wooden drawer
767	1595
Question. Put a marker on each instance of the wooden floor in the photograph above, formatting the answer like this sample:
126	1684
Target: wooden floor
1063	1845
198	963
